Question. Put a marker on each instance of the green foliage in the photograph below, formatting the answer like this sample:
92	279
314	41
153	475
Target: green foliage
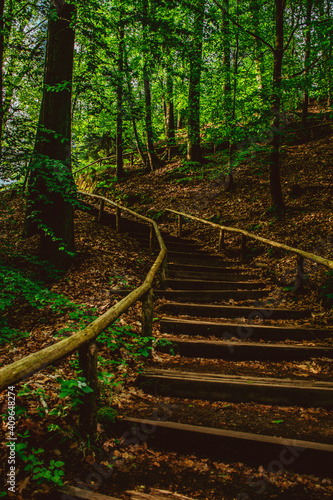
166	346
14	285
41	472
74	389
119	337
326	291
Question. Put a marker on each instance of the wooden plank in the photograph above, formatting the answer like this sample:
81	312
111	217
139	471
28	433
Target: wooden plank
187	259
206	296
74	492
217	267
218	311
216	387
196	284
242	351
156	494
210	274
267	451
241	331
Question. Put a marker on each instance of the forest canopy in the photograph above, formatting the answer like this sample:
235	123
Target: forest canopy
86	80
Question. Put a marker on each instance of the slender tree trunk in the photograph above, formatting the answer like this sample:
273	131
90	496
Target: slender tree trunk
228	99
258	48
170	117
193	141
2	38
119	136
132	108
329	58
152	158
307	61
51	189
275	181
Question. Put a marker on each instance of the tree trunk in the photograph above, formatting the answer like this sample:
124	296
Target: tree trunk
5	29
258	46
152	158
132	110
275	181
229	100
307	61
2	2
119	136
193	114
51	189
170	117
329	58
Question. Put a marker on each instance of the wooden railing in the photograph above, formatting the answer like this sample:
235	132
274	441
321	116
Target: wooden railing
83	341
111	157
301	254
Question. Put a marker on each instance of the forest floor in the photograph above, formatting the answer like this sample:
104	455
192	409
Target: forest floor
47	424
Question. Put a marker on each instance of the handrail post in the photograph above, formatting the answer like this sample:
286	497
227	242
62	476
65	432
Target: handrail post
164	272
243	249
151	238
100	212
180	225
299	286
147	315
88	408
118	219
221	240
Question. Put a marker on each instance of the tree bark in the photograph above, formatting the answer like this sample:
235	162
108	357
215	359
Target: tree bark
275	181
152	158
132	110
307	61
229	100
2	4
119	136
51	189
193	142
329	58
258	46
170	117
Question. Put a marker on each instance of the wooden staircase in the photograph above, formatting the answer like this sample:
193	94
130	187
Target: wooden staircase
200	318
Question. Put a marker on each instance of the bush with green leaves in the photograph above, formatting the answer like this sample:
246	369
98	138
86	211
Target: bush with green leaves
41	472
74	389
326	290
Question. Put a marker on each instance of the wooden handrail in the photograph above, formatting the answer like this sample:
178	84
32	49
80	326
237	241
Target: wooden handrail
23	368
306	255
102	159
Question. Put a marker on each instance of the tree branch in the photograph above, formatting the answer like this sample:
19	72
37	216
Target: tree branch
254	35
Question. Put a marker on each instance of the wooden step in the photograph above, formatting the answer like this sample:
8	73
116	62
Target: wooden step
156	494
206	296
66	491
273	453
218	311
221	268
211	275
203	296
179	284
181	246
237	389
244	351
198	256
241	331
